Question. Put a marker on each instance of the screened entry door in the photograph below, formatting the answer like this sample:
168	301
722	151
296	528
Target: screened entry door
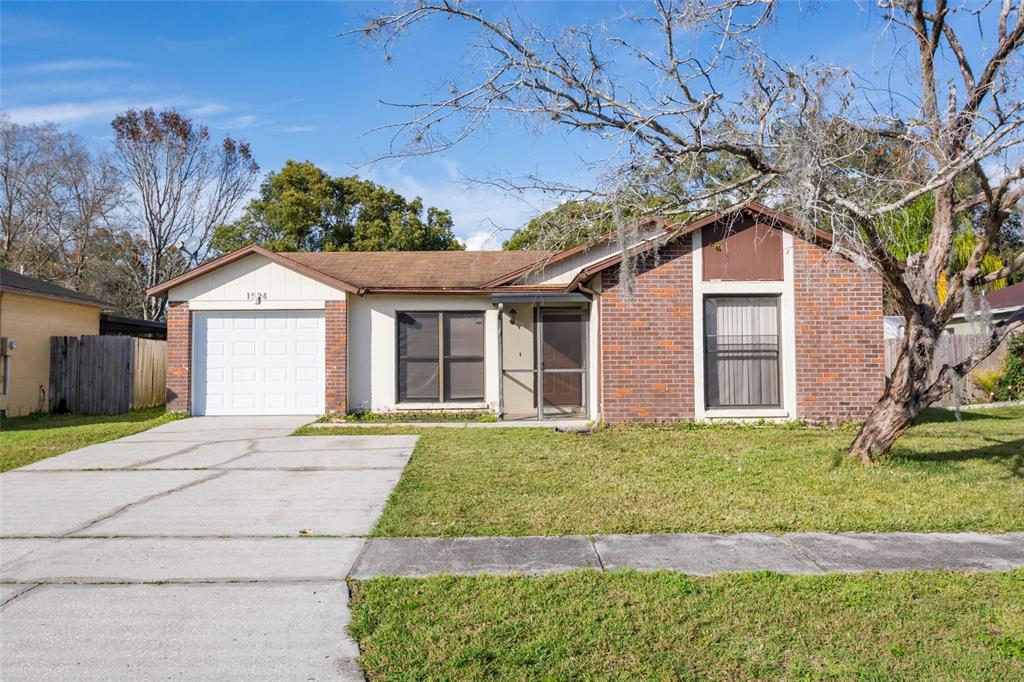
562	350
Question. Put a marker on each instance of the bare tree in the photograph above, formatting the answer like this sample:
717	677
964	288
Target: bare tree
684	90
182	185
56	200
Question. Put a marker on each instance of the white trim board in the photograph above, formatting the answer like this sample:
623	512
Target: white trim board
787	314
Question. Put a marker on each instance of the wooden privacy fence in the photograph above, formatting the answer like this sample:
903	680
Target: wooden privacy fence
952	348
106	374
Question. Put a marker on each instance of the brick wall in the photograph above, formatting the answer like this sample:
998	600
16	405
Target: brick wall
179	357
336	356
647	342
839	347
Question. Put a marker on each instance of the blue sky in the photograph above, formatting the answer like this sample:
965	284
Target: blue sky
278	75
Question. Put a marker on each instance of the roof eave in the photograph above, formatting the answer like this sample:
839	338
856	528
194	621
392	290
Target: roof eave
479	290
754	209
993	311
560	256
161	290
91	302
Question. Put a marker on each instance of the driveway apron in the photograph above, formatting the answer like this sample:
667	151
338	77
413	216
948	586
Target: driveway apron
206	548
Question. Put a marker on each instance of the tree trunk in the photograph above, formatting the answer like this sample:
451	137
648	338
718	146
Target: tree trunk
888	419
906	396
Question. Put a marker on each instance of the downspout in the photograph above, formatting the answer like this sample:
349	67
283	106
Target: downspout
501	362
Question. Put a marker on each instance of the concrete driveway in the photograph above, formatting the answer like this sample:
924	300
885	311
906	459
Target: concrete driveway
207	548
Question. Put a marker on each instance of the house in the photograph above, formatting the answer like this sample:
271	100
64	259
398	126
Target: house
745	315
31	311
991	308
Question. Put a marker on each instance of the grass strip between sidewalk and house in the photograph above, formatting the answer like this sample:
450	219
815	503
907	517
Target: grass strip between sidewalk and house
628	625
24	440
941	476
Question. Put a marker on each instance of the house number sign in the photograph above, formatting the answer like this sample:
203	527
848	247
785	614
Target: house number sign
256	297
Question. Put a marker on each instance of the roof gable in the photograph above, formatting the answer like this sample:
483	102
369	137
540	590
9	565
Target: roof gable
161	290
759	212
367	271
461	271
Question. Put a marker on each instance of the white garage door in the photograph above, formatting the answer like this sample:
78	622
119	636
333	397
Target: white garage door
258	363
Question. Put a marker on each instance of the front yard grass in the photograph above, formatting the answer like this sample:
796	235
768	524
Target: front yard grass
24	440
629	626
942	476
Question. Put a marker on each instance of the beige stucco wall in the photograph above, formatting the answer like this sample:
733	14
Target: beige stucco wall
372	336
30	321
518	350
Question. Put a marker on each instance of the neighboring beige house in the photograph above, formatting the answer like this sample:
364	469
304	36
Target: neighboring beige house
31	311
1001	305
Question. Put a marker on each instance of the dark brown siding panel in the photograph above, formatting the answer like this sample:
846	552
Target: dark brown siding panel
742	251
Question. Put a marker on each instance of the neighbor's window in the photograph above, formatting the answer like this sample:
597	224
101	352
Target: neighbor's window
741	351
440	357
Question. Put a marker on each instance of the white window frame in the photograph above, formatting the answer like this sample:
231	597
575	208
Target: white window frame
787	334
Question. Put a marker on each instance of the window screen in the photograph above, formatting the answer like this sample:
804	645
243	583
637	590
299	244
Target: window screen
463	356
418	368
440	357
741	351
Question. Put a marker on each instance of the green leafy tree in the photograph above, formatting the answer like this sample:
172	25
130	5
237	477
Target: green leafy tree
910	232
563	227
655	193
302	208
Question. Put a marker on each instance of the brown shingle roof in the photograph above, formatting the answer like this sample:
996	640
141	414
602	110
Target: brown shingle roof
417	269
30	286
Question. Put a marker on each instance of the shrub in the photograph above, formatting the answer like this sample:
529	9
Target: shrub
1011	385
987	382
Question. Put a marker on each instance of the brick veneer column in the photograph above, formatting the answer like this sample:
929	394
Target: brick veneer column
179	357
647	341
840	358
336	356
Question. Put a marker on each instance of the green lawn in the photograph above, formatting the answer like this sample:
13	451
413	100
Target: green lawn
633	626
24	440
942	476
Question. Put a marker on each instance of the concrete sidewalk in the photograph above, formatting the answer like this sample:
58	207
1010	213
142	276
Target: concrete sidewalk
794	553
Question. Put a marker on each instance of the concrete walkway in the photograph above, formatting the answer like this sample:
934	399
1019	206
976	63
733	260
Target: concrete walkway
208	548
795	553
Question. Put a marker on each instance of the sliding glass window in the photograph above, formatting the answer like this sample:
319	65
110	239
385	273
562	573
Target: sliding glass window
741	351
440	357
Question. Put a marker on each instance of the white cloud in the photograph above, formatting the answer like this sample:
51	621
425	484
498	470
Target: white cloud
484	217
296	129
78	112
69	113
245	121
208	109
484	240
78	65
